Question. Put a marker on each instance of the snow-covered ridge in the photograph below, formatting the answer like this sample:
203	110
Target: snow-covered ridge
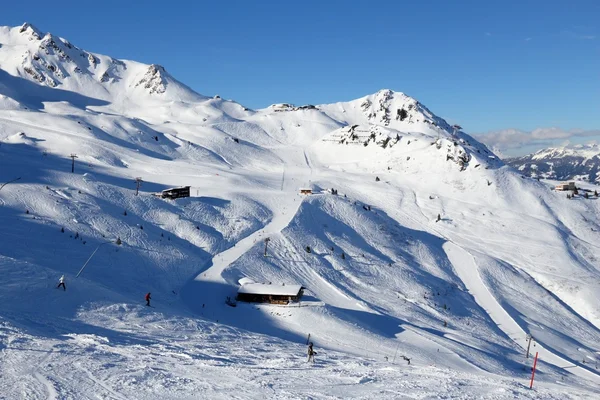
392	121
52	61
387	105
586	151
388	108
579	162
149	91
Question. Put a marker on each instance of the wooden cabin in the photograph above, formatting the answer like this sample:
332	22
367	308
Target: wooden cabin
269	293
566	186
306	191
175	193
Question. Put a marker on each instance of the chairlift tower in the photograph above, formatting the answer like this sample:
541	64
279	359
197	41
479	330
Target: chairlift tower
73	157
138	183
455	129
529	339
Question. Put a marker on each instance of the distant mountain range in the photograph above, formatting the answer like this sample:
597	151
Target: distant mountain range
576	162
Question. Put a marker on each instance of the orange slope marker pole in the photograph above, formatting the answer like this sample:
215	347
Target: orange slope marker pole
533	372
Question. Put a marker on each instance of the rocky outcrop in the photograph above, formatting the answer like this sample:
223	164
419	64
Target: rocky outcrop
386	106
31	31
154	80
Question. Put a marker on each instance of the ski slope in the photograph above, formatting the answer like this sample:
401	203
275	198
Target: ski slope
386	279
468	271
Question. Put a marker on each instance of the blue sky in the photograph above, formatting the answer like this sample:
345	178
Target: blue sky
487	65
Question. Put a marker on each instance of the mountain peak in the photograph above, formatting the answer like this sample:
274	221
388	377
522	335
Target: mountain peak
390	93
52	61
32	31
389	107
385	92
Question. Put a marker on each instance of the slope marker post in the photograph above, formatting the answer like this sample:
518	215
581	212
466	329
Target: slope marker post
533	371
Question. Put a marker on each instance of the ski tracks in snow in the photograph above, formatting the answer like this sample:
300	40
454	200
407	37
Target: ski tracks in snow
285	211
39	376
468	272
50	390
98	382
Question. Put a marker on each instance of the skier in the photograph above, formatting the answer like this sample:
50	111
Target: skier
311	353
148	298
61	282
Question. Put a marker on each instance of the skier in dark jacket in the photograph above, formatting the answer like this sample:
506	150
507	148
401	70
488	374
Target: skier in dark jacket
311	353
148	298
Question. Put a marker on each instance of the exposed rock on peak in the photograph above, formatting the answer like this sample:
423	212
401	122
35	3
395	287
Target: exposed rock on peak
52	45
155	79
386	106
280	107
31	30
51	61
397	123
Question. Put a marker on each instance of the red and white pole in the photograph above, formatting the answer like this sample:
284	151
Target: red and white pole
533	371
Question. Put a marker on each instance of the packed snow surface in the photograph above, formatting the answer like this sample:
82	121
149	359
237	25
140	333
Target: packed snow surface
427	263
268	288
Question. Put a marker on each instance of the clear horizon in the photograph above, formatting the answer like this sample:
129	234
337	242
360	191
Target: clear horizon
527	73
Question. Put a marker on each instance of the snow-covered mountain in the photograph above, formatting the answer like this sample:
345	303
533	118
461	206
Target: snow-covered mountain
425	267
54	62
579	162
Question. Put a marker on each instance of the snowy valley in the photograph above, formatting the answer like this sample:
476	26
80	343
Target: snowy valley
426	261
